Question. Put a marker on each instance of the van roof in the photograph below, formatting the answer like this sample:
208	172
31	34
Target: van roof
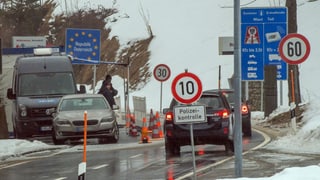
40	64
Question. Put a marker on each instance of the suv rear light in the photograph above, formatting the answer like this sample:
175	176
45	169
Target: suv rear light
244	109
169	116
224	113
225	130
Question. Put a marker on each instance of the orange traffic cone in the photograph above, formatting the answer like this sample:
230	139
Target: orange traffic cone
157	132
133	129
159	124
144	131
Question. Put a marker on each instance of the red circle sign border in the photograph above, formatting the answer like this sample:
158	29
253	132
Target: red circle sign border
175	94
299	36
154	72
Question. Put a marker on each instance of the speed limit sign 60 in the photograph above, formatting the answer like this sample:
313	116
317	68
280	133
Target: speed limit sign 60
161	72
294	48
186	88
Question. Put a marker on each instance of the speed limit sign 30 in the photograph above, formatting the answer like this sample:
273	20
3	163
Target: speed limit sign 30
294	48
186	88
161	72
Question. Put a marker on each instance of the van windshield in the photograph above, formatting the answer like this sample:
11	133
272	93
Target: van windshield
46	84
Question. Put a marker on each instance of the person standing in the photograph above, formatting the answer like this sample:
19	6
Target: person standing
109	92
103	86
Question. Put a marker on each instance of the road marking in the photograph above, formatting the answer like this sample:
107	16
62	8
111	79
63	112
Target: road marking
61	178
99	166
15	164
131	157
267	139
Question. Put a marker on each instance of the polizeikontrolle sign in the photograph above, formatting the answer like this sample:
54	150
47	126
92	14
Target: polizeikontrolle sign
189	114
83	45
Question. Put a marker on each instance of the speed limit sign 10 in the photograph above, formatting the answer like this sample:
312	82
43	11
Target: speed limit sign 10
161	72
186	88
294	48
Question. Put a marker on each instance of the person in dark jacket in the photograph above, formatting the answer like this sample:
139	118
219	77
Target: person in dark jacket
109	92
103	86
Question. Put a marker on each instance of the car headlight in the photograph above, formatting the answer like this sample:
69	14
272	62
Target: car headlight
23	110
106	119
63	122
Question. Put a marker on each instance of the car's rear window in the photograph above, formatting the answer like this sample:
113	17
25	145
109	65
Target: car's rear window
211	101
83	104
230	97
207	100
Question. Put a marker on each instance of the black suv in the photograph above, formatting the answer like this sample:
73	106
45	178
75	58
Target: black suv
217	130
245	110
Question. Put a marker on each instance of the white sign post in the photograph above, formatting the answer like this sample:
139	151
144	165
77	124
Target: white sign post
294	49
162	73
187	89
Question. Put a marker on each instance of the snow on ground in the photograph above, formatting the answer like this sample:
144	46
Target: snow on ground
306	140
186	36
294	173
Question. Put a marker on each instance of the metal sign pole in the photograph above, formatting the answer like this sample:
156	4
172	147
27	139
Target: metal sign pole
161	97
237	84
94	78
193	152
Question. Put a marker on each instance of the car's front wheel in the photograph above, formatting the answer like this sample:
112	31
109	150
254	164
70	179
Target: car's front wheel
115	137
18	135
55	140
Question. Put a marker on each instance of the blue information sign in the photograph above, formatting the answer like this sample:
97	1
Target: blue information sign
83	45
261	32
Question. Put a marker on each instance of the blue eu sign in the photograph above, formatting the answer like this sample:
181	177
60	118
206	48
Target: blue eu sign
261	32
83	45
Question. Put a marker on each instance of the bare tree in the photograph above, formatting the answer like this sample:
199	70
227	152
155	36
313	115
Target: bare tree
292	28
146	20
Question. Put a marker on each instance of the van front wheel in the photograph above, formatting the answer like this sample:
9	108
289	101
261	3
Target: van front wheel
18	135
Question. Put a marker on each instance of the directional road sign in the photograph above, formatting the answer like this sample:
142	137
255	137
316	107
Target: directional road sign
161	72
83	45
261	32
294	48
186	88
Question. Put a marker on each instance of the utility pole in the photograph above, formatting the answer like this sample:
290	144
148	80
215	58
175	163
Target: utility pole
292	28
237	85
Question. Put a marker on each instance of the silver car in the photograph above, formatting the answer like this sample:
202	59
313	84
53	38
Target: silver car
68	119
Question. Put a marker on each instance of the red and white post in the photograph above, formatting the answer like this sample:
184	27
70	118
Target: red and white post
83	165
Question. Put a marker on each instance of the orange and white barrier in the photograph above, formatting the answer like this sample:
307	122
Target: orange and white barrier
157	130
132	128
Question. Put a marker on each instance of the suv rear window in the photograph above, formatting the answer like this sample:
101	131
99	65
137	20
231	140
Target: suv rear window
207	100
230	97
210	101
